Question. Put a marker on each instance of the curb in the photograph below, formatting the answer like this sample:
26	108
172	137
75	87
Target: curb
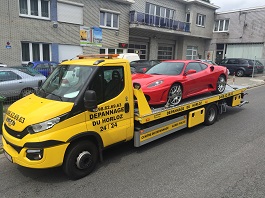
1	146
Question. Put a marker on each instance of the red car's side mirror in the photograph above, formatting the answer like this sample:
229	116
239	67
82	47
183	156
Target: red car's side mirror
191	71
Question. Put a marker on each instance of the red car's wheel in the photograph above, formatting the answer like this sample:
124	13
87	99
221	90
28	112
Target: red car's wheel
220	85
174	95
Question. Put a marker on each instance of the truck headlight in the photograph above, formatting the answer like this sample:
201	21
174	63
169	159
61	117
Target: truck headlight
35	128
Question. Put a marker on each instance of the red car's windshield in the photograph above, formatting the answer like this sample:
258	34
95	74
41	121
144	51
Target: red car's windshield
167	68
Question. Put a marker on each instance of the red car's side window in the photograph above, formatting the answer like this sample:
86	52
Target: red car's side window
195	66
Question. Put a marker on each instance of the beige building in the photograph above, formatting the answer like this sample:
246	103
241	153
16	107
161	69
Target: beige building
239	34
61	29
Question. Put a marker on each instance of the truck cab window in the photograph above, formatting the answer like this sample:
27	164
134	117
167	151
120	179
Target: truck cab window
108	83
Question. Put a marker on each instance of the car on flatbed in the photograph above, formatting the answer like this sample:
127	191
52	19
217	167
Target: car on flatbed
173	80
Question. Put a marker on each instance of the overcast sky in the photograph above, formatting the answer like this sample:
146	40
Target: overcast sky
227	5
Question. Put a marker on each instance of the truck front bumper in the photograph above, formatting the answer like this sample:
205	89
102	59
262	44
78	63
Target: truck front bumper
38	157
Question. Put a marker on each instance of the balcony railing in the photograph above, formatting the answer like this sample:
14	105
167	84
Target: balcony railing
151	20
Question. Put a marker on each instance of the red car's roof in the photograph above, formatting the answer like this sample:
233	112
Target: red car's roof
182	61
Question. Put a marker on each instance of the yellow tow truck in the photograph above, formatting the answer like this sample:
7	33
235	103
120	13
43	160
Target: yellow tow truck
90	103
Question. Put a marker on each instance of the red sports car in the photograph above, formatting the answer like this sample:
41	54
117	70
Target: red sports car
171	81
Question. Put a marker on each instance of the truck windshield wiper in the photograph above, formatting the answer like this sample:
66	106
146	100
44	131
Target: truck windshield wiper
56	96
47	93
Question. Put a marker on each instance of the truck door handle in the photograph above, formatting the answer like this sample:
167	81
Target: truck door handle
126	107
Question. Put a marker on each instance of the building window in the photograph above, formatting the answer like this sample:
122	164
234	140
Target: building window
111	51
200	21
192	53
35	8
165	53
109	20
221	25
187	17
158	15
139	49
35	52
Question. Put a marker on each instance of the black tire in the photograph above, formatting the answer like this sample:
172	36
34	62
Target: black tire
174	95
80	159
26	91
220	85
240	73
211	114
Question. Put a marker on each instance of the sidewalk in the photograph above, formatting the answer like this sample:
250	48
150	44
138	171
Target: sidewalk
249	82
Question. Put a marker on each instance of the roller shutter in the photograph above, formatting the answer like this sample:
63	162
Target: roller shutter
70	12
244	50
69	51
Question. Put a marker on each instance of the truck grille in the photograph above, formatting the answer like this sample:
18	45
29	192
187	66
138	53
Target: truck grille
17	148
16	134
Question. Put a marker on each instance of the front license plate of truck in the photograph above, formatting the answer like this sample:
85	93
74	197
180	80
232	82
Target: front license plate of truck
8	156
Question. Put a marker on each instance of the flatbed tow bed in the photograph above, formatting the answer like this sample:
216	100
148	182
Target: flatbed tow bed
155	123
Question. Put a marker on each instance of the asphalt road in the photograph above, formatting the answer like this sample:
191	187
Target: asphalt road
223	160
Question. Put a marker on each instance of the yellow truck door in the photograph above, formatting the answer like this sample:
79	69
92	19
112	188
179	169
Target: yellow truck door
113	119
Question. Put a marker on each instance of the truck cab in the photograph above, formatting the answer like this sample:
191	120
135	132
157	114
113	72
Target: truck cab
84	106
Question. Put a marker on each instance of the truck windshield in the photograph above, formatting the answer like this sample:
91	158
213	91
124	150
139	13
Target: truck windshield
65	83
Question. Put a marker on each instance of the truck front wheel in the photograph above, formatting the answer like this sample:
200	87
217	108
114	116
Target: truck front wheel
80	159
211	114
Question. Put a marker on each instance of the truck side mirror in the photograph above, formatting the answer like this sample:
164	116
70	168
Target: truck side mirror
90	100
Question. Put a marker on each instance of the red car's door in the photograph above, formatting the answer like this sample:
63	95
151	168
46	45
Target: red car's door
198	82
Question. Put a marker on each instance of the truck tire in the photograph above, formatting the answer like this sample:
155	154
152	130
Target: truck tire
211	114
80	159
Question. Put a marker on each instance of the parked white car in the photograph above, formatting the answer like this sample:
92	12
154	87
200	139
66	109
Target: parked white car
129	56
3	65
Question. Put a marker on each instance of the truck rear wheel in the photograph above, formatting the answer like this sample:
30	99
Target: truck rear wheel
80	159
211	114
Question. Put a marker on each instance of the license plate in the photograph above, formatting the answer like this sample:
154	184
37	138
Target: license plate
8	156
